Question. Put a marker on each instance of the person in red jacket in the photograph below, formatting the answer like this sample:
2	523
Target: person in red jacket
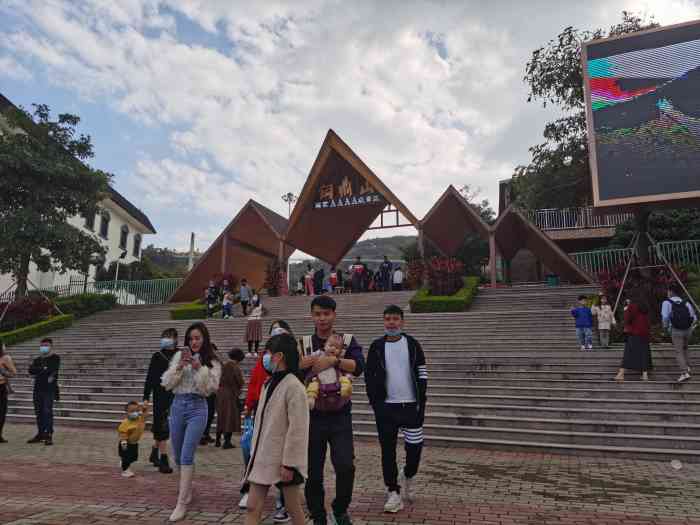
258	378
637	354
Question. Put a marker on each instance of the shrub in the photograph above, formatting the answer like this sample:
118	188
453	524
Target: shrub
424	302
414	274
86	304
36	330
275	279
24	312
194	310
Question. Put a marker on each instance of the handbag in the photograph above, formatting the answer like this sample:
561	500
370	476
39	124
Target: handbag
247	437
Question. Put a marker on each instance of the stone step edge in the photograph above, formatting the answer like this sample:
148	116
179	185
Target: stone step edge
470	441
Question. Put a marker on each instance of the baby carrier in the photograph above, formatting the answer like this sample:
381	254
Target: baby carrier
329	397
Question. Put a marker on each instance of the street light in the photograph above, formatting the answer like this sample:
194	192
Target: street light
122	256
290	199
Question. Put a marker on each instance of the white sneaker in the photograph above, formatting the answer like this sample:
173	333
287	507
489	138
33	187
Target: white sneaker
394	503
128	473
589	347
243	504
684	377
407	488
583	348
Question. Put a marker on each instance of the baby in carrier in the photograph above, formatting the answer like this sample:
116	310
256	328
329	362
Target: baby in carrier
330	390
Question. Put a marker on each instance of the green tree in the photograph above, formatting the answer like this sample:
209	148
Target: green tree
672	225
558	175
44	182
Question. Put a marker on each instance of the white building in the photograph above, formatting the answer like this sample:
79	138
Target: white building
119	226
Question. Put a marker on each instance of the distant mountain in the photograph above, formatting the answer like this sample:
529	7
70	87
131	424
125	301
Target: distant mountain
381	246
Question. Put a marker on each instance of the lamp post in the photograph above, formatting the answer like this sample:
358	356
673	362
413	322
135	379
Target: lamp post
290	199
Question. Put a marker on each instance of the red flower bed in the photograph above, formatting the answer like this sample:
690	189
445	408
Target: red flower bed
445	275
26	311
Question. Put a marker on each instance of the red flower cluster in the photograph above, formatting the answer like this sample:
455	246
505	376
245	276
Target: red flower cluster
26	311
445	275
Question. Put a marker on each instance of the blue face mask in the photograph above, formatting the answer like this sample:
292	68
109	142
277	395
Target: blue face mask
267	363
166	343
392	333
134	415
277	331
43	350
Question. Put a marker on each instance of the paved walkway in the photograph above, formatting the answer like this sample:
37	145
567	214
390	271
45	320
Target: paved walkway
77	481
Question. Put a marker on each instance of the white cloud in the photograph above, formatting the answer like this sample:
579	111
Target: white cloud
13	69
424	92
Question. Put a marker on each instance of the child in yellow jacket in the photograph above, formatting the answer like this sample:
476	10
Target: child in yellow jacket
130	432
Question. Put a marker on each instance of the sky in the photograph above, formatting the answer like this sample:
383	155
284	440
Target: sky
197	106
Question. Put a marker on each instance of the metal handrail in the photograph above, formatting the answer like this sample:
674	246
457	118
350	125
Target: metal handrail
574	218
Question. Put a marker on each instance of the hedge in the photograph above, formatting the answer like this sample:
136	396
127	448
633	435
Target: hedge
194	310
86	304
422	302
36	329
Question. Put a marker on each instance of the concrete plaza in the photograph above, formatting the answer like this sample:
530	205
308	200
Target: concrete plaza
77	481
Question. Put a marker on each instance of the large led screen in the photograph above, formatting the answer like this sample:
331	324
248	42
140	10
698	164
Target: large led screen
643	114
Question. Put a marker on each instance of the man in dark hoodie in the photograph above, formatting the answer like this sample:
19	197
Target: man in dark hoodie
162	399
45	369
397	382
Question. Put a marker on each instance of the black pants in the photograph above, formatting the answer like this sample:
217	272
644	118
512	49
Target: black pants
161	411
250	346
334	430
129	455
211	410
43	408
244	307
3	406
391	417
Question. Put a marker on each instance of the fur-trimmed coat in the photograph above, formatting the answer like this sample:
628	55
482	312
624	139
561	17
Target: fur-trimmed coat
281	436
204	381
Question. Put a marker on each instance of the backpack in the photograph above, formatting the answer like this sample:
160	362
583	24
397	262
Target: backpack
680	316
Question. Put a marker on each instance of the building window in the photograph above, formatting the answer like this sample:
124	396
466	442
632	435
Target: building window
124	237
90	221
104	225
137	245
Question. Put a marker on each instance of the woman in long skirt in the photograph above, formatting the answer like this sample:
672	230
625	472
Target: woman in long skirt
228	412
637	354
253	331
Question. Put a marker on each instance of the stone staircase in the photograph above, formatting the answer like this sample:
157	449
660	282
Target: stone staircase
507	374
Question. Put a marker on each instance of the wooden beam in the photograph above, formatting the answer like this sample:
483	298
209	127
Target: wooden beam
492	258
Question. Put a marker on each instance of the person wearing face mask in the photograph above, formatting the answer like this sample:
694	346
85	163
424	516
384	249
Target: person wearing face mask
162	399
45	370
261	373
193	375
281	437
397	382
130	432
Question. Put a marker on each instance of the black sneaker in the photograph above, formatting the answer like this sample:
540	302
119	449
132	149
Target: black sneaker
48	441
343	519
164	465
154	459
2	440
36	439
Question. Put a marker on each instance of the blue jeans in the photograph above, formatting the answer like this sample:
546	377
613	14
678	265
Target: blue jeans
43	408
585	336
188	418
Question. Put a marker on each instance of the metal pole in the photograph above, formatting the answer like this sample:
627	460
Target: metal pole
116	273
42	294
627	271
4	310
675	275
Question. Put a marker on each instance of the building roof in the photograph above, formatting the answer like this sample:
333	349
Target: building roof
114	195
341	198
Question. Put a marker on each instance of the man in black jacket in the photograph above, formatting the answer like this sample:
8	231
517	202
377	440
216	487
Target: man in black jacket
162	399
45	371
397	381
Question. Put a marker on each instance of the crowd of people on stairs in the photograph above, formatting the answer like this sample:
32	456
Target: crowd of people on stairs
299	402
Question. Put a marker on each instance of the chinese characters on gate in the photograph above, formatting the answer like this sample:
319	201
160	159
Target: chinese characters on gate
344	194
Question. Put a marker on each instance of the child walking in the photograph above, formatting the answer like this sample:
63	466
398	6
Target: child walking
130	432
606	320
397	383
584	323
227	305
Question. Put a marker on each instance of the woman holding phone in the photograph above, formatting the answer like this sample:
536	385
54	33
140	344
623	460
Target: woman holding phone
192	376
